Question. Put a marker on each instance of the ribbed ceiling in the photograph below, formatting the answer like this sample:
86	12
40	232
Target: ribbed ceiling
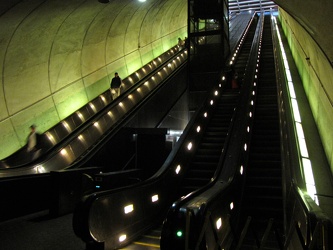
251	5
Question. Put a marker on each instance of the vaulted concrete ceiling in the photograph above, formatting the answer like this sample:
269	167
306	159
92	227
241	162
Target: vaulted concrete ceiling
316	18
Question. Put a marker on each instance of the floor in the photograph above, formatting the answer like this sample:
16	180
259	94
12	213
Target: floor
39	232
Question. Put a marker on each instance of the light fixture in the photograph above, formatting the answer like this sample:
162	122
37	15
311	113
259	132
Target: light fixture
128	209
178	169
218	223
122	237
154	198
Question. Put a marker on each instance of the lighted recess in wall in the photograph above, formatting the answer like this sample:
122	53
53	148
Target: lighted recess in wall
306	162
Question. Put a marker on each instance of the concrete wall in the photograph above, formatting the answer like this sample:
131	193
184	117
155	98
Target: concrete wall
316	73
55	56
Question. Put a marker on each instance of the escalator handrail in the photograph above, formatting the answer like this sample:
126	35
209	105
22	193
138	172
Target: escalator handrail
154	67
158	177
229	179
185	200
118	125
167	169
173	59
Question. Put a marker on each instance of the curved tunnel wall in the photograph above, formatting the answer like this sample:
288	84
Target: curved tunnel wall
58	55
316	73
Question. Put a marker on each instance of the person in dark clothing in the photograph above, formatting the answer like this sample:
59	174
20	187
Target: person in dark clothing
115	86
186	42
230	71
231	77
33	147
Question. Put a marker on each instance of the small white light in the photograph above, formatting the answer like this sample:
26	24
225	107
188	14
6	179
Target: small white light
154	198
92	106
122	237
231	206
218	223
198	129
102	97
241	170
128	209
80	115
250	114
189	146
216	92
205	114
66	125
50	137
40	169
211	102
245	147
178	169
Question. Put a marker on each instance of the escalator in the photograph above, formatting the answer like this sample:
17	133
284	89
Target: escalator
204	164
263	205
205	161
245	208
35	186
69	140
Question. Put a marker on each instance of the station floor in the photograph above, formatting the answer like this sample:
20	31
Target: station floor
39	232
